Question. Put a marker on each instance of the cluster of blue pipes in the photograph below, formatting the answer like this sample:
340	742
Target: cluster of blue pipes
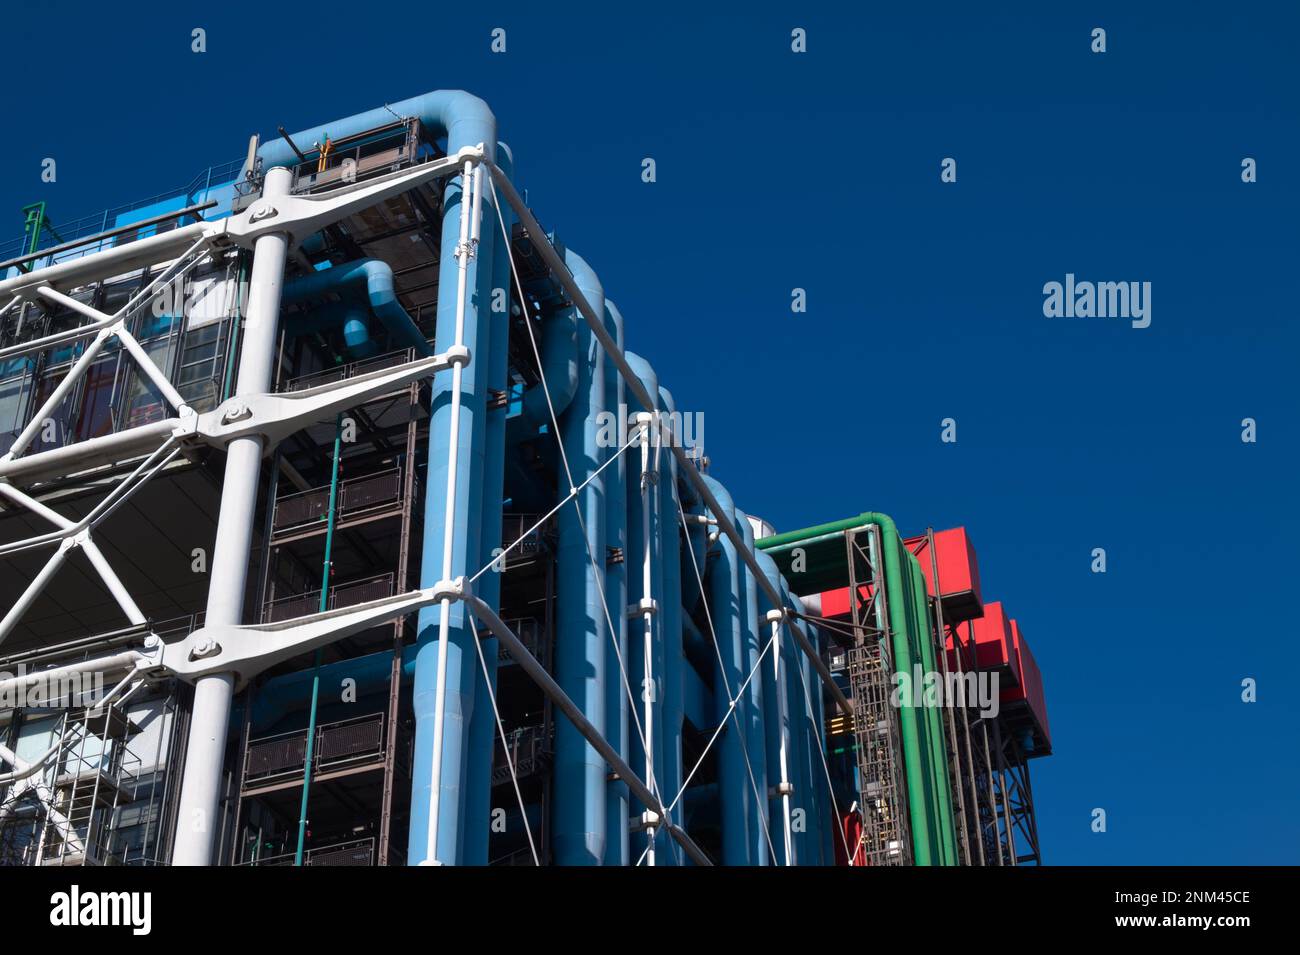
596	646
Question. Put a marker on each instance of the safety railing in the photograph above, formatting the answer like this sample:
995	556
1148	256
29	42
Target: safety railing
352	852
515	526
302	510
529	632
530	749
349	370
354	741
347	594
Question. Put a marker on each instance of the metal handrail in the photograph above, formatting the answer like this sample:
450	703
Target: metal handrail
314	501
349	370
321	758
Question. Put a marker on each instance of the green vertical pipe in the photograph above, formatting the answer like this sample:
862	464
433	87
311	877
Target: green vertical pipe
914	629
919	796
929	800
934	718
315	675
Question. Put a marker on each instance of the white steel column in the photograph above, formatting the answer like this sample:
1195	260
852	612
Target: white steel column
648	694
776	616
466	249
201	786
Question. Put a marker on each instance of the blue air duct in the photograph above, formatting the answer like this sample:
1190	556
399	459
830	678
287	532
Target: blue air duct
798	756
618	805
647	764
369	674
776	722
806	702
464	118
724	589
377	277
671	644
579	776
755	743
559	350
350	317
483	728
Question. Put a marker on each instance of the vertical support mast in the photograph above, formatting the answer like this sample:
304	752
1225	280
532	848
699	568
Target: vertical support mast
783	785
201	784
646	420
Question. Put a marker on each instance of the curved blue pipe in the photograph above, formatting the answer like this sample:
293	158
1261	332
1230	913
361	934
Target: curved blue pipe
671	644
755	737
647	765
724	595
377	278
483	728
697	545
815	802
776	722
467	122
618	804
797	754
283	694
559	366
464	118
349	316
579	775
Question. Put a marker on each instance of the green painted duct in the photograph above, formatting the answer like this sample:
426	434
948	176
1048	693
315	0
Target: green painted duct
925	755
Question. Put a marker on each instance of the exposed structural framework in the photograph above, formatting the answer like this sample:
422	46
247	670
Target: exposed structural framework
321	550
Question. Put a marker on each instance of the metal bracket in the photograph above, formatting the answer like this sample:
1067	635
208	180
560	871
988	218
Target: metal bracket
649	819
301	216
248	649
275	416
644	605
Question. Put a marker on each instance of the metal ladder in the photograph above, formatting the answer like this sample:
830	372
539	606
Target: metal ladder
882	794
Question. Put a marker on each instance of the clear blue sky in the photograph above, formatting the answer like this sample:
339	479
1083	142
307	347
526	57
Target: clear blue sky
821	171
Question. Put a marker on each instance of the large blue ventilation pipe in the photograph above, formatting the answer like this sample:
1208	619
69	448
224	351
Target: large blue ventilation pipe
752	712
483	728
776	717
462	117
672	653
724	596
579	784
618	799
377	279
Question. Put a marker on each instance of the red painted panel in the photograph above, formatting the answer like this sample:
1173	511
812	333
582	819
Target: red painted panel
835	603
959	574
1030	691
993	644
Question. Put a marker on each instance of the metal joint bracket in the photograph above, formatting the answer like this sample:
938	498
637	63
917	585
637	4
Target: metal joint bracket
647	820
246	650
644	605
301	216
775	616
275	416
781	789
